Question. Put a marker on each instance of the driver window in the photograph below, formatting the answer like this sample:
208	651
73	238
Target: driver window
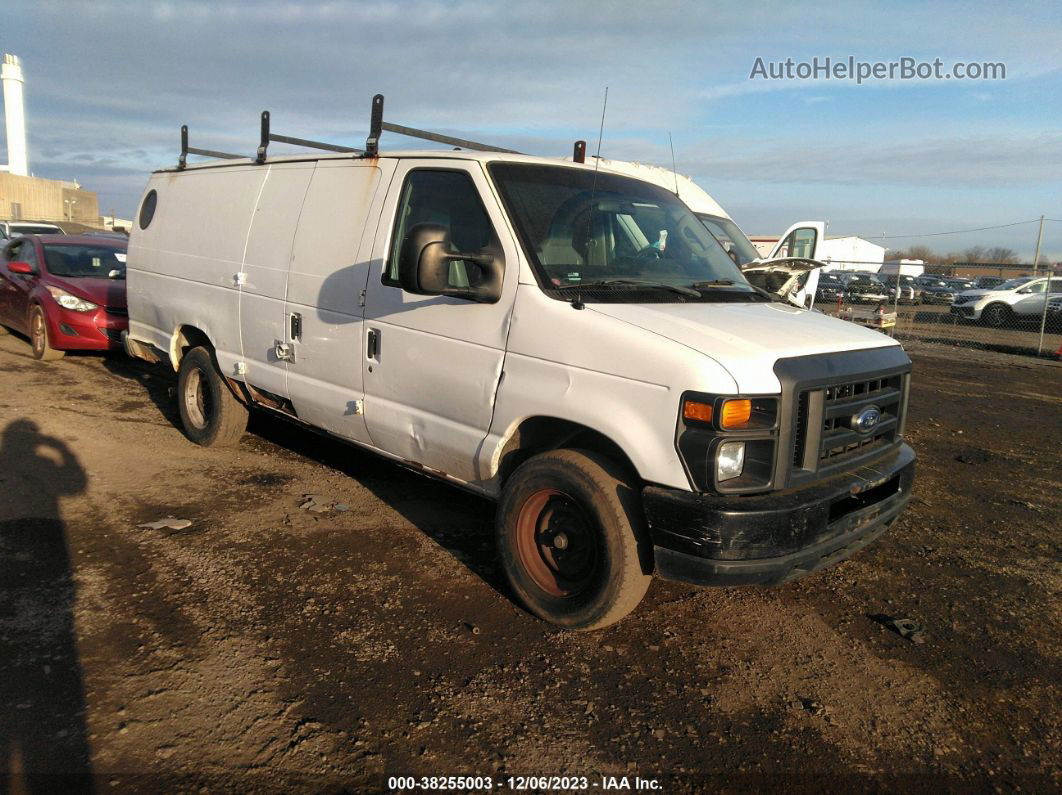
799	243
448	198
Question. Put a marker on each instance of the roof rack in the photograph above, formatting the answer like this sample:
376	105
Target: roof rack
372	144
188	150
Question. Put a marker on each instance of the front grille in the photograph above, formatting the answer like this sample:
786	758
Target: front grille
800	432
833	408
112	334
121	312
821	397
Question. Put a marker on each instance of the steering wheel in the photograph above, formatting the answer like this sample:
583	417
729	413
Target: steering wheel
649	252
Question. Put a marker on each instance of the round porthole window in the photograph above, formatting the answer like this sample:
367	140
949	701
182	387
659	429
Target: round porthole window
147	209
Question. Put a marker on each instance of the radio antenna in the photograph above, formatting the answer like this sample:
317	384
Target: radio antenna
593	190
674	168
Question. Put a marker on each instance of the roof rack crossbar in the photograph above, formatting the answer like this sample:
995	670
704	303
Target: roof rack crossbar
413	132
287	139
268	136
190	150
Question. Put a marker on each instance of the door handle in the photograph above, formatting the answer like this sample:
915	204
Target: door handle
284	351
296	326
372	343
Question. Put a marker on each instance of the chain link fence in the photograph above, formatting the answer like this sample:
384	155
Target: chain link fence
1017	311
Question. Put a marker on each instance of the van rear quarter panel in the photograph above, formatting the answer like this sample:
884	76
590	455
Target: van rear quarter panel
182	268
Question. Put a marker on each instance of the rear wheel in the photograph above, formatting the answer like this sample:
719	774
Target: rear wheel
572	539
997	315
210	413
42	347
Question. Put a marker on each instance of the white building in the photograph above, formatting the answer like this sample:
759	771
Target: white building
839	253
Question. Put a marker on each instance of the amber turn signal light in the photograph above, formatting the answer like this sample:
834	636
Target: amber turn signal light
698	412
735	414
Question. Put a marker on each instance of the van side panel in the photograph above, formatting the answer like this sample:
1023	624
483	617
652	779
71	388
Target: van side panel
266	261
330	265
605	374
182	268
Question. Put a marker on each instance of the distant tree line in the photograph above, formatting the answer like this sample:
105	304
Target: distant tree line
996	255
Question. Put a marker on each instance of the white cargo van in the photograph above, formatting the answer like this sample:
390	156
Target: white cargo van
791	267
497	321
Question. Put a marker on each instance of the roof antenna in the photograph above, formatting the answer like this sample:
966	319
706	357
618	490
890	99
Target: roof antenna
578	303
674	168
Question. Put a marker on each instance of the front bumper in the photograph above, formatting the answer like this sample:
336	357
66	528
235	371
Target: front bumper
98	330
966	311
707	539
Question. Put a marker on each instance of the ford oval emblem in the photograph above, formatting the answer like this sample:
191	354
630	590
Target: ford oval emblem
866	420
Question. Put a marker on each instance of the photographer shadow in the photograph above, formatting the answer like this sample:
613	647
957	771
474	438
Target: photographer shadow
43	741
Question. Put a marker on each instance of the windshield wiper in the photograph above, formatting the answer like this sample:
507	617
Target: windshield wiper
714	283
675	288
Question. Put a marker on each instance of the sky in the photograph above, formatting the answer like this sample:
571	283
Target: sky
108	85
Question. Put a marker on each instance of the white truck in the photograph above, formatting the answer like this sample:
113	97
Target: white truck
790	267
493	320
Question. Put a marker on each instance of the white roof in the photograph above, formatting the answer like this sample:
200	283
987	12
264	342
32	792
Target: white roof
689	191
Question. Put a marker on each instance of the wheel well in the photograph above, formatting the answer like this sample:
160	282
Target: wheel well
540	434
186	338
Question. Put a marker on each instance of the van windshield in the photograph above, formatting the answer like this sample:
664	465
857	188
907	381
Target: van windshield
610	238
731	238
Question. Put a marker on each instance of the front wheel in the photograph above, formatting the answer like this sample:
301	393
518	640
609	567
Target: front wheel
42	346
997	315
572	539
210	413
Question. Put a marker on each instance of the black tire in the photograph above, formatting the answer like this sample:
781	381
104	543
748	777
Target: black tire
39	342
211	415
997	315
572	539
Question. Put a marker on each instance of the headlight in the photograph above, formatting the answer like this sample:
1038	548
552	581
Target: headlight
68	301
729	461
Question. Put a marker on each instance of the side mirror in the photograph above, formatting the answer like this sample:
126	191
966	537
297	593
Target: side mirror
21	267
424	267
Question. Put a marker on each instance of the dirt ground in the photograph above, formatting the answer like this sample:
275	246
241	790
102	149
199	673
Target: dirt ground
266	647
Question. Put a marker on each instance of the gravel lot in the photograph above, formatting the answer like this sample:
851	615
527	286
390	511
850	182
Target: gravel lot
267	647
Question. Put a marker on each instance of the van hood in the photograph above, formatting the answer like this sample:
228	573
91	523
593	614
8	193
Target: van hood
780	276
747	339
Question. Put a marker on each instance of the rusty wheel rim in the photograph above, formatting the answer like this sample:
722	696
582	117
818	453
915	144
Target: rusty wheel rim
197	404
556	543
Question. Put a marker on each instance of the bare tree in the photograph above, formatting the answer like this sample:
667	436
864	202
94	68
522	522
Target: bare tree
1004	256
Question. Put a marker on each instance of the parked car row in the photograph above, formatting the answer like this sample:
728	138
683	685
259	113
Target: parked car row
988	299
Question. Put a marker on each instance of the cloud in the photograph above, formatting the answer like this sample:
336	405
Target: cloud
111	83
975	161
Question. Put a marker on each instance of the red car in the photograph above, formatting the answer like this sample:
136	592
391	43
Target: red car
66	292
